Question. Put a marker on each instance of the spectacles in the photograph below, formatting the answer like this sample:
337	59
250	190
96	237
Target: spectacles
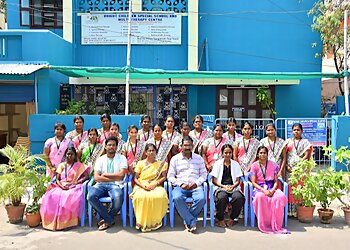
151	151
197	121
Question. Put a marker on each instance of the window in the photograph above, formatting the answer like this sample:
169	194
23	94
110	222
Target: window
41	13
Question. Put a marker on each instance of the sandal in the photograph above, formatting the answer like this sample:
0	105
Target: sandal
100	222
105	226
231	223
221	224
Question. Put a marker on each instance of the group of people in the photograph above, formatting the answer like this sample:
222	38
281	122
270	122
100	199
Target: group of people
152	155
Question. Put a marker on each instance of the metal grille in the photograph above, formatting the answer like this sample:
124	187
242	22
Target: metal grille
103	5
178	6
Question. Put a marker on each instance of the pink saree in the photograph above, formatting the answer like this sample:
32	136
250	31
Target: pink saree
198	139
60	208
56	155
247	152
214	149
133	152
269	210
77	138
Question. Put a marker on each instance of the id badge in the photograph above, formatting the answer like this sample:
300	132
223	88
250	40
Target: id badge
265	186
216	156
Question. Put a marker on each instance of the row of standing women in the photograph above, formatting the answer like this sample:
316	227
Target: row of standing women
72	171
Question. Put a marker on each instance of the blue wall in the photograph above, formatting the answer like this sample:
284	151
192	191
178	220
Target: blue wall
41	127
340	137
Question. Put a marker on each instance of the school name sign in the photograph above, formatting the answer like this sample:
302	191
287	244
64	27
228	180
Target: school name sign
146	28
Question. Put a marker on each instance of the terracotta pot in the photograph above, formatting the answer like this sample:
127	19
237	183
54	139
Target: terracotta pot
33	220
305	214
346	214
325	215
15	213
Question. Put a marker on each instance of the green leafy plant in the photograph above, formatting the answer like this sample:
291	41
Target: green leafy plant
15	177
265	99
342	155
33	208
138	105
303	183
329	186
74	108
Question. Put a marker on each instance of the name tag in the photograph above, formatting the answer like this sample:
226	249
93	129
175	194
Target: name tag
216	156
265	186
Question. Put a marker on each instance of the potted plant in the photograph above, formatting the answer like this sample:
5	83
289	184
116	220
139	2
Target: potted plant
342	155
38	181
329	186
14	181
303	184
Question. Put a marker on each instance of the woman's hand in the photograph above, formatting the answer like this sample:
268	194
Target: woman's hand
266	192
228	188
146	188
153	186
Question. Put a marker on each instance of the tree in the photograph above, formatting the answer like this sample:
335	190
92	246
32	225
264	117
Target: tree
328	20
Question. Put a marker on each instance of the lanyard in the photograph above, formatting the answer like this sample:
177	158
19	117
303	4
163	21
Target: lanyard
58	145
264	174
234	136
92	151
171	137
216	146
246	149
200	134
132	150
274	146
155	143
65	169
144	135
296	146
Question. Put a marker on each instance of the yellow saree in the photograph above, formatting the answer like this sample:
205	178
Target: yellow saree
149	206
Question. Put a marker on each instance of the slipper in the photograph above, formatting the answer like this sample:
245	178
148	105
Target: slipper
231	223
100	222
105	226
221	224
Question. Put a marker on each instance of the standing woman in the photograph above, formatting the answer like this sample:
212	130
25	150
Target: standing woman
211	148
145	133
170	134
268	200
275	146
185	130
78	135
163	146
298	149
231	133
114	131
104	133
133	149
198	134
226	179
245	148
149	198
55	148
90	150
63	201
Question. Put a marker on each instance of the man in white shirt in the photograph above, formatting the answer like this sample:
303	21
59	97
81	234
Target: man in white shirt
109	172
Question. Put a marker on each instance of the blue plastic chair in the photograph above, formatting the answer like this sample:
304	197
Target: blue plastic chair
188	200
252	212
212	204
83	216
131	207
108	200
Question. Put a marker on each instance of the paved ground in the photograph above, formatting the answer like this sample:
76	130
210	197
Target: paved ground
314	236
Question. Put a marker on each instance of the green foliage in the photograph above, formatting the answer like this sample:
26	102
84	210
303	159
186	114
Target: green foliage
138	105
330	186
304	192
265	100
17	174
74	108
33	208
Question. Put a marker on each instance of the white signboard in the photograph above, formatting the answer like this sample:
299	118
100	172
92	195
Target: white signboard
152	29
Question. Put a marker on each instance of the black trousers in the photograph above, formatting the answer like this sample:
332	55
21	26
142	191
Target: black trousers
221	202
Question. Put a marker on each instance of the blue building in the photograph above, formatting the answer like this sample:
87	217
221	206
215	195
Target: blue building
223	35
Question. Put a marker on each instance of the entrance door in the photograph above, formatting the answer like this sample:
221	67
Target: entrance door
240	103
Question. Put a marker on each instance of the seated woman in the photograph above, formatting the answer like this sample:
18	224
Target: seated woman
226	173
63	201
268	201
149	198
54	149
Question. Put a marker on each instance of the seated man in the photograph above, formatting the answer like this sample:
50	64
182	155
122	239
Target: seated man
187	173
109	174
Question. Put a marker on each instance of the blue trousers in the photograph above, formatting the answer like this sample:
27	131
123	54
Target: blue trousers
189	215
104	190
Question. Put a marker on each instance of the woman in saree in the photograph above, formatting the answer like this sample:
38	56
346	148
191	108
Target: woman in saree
114	131
297	149
133	149
104	132
170	134
145	133
245	148
78	135
231	133
275	146
149	198
163	146
211	148
54	149
90	150
198	134
268	200
62	203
